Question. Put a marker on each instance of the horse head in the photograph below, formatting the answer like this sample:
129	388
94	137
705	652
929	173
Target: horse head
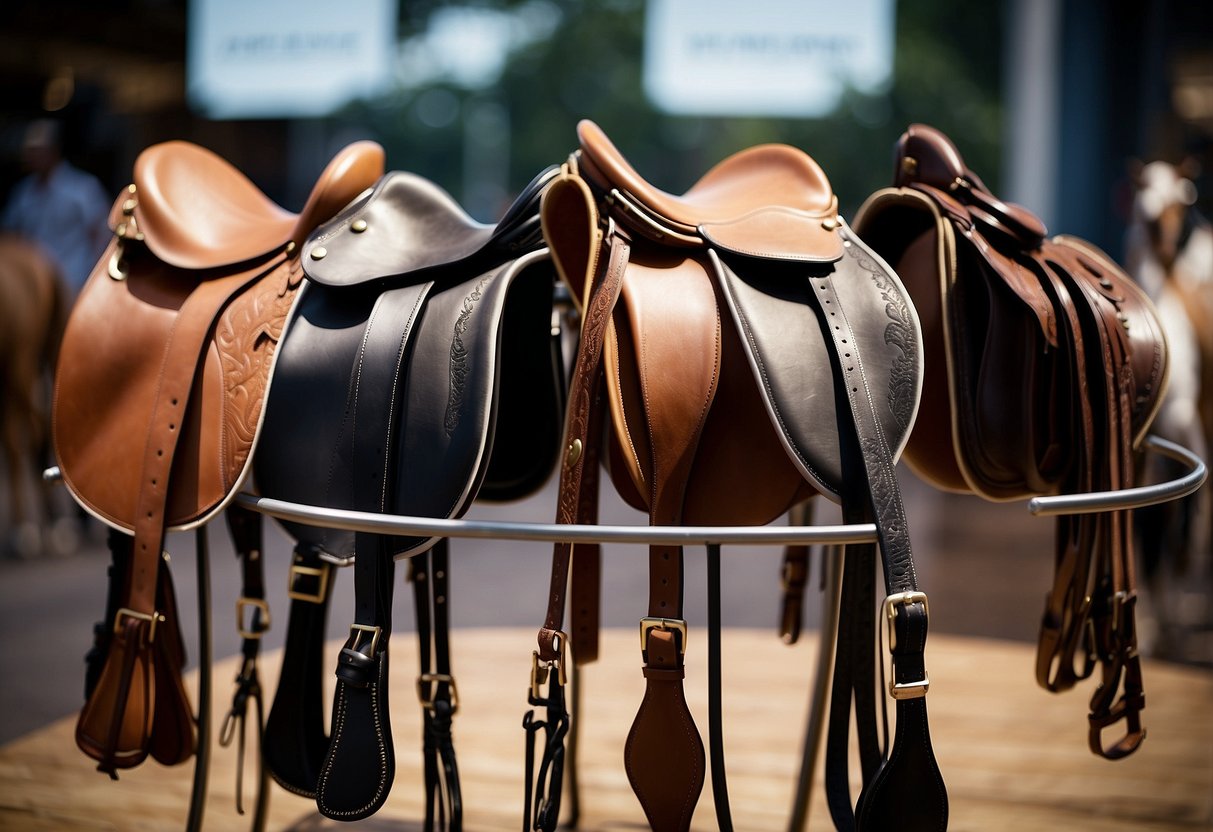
1162	205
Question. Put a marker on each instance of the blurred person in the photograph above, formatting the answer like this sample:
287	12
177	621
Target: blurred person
58	206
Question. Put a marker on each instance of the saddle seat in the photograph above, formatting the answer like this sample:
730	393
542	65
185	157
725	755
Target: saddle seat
410	227
769	201
196	211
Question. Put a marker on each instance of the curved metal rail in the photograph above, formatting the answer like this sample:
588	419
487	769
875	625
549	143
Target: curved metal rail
1139	497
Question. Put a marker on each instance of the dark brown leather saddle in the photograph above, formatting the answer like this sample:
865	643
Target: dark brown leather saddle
158	395
741	349
419	372
1045	366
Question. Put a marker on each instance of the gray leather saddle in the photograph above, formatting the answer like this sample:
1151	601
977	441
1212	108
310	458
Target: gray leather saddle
742	349
420	372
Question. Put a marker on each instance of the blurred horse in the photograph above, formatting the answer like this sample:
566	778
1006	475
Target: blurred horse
33	310
1170	252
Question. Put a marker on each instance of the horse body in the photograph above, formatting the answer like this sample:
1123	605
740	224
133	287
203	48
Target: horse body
33	304
1169	251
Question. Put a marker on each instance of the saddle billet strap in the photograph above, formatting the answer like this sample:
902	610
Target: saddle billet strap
429	574
907	791
296	738
794	578
252	622
548	663
109	729
1063	632
664	752
357	773
1113	596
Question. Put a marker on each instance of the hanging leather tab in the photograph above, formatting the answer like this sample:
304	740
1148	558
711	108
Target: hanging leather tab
664	753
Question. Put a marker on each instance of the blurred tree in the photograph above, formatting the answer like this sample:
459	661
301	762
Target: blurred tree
946	72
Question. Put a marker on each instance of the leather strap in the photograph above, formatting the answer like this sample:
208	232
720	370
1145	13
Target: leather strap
597	314
794	577
430	577
252	622
296	737
908	786
357	773
720	787
585	386
1114	597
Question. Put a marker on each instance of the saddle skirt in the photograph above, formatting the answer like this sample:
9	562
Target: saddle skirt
471	402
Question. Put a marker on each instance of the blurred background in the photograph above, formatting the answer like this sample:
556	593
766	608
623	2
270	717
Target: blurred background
1055	104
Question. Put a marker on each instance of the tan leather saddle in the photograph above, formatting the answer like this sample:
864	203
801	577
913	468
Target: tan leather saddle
741	349
1045	366
158	401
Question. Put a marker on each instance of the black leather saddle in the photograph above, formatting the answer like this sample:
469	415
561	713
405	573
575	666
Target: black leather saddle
420	372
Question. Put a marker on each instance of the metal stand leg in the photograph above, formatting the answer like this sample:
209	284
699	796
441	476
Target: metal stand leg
833	560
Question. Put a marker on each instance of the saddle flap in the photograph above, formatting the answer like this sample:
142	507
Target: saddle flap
197	211
406	225
771	201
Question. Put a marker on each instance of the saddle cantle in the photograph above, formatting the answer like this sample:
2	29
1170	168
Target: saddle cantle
741	349
1045	367
158	393
417	374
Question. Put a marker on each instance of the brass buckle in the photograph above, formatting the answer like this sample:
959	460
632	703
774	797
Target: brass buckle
647	624
905	690
427	686
375	632
321	575
244	603
541	670
155	618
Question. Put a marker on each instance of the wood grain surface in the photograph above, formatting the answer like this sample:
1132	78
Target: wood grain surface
1014	757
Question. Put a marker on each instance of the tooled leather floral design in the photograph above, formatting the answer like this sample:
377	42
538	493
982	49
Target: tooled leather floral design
459	369
899	333
246	338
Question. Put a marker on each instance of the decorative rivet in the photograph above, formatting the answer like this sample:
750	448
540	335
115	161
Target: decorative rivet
128	207
319	253
358	226
829	223
1105	283
290	247
574	453
909	165
130	189
120	231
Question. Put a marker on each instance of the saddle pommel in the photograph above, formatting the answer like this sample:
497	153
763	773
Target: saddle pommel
195	210
771	201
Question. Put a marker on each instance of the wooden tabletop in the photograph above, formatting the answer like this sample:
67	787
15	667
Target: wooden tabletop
1013	756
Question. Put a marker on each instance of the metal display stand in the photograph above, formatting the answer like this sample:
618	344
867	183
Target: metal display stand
834	536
